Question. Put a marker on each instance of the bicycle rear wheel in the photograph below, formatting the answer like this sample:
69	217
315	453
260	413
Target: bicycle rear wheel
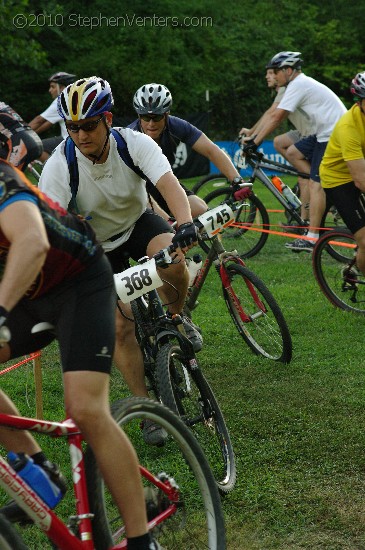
338	278
185	390
210	183
198	520
255	313
253	217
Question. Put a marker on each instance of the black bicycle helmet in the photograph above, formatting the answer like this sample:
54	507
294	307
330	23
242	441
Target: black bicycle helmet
285	59
358	85
62	78
152	99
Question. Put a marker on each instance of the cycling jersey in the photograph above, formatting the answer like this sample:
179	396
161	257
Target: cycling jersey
19	145
176	131
346	143
72	241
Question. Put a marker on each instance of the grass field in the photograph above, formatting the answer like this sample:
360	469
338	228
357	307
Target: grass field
298	429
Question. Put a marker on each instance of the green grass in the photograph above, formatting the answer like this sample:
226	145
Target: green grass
297	429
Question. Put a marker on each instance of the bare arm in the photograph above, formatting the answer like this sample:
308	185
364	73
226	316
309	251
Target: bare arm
171	190
357	171
22	225
40	124
219	158
260	123
274	120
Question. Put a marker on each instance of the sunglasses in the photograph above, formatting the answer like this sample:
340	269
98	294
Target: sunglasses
86	127
155	118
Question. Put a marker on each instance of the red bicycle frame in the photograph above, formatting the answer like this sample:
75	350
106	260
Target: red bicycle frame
41	514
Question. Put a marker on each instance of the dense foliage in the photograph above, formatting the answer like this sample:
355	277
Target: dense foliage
191	47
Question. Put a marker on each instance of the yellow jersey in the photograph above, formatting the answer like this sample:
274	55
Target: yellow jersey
347	142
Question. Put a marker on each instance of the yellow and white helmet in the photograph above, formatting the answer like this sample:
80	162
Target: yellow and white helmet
85	98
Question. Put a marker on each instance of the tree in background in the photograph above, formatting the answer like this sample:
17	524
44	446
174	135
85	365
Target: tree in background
224	53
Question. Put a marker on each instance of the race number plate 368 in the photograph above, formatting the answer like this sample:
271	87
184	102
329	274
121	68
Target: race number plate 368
137	280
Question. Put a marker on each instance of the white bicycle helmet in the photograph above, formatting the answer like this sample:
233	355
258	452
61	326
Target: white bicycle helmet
358	85
152	99
85	98
285	59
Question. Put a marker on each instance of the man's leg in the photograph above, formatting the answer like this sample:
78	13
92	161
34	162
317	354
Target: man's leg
86	402
127	354
18	441
360	255
176	274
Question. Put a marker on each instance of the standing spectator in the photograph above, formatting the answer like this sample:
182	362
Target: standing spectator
324	109
19	145
152	103
342	169
50	116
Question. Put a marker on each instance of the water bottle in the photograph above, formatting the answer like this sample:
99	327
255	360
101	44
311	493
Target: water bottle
291	197
194	266
36	478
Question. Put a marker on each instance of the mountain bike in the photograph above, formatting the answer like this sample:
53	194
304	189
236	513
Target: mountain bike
253	309
182	500
171	367
250	230
334	267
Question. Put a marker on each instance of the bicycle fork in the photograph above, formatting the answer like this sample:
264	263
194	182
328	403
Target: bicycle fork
224	275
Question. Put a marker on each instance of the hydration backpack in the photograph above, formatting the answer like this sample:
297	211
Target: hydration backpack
70	154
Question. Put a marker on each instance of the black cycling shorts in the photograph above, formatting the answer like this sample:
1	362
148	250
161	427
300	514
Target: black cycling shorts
22	148
149	225
350	203
82	311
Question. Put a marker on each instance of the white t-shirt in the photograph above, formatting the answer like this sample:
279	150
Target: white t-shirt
111	194
51	114
299	119
317	101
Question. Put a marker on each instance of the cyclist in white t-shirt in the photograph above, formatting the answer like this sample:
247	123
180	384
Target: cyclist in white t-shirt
324	109
282	142
50	116
113	198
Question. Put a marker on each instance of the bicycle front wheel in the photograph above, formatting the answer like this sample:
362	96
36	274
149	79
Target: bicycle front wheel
185	391
248	239
209	183
335	271
198	518
256	314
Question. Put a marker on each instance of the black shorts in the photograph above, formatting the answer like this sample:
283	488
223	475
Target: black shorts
350	203
148	226
22	148
82	311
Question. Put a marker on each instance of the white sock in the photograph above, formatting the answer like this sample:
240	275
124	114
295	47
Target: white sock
313	235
